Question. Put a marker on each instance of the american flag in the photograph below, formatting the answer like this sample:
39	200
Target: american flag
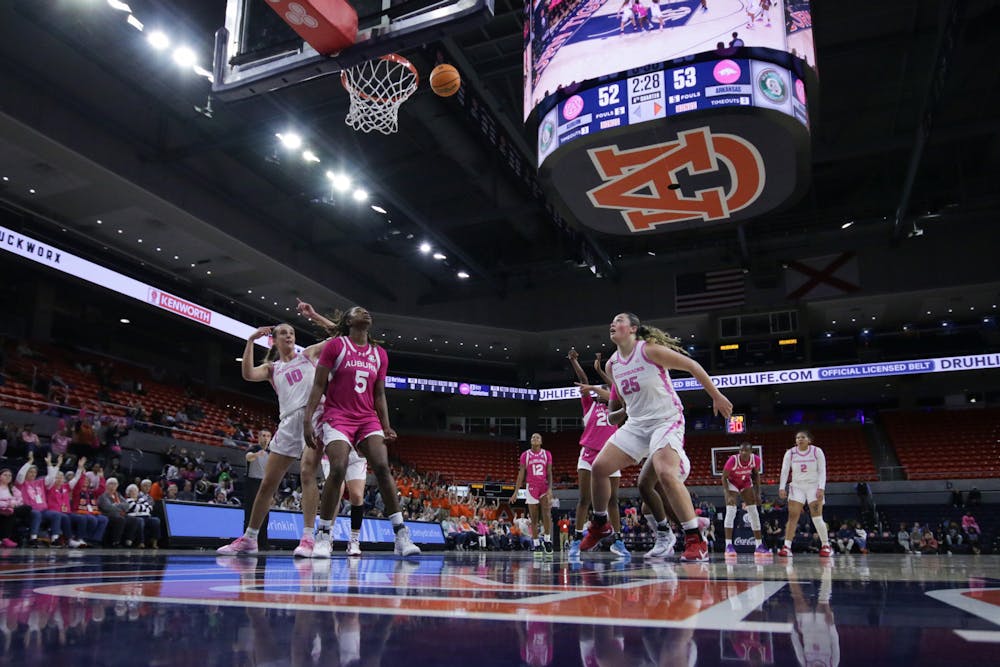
709	291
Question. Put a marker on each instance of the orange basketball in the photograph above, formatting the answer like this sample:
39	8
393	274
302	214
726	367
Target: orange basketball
445	80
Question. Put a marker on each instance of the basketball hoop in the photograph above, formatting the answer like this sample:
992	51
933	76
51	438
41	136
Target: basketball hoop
377	88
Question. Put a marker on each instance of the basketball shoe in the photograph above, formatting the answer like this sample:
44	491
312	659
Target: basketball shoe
784	552
594	536
618	548
825	551
730	552
354	547
404	546
240	546
305	548
323	546
664	545
695	549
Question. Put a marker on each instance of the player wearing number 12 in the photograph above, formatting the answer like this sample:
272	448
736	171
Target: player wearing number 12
655	428
536	469
351	372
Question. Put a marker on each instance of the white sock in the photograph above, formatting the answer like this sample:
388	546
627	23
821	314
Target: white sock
251	533
758	541
356	535
324	525
729	543
824	537
690	525
308	531
396	518
788	544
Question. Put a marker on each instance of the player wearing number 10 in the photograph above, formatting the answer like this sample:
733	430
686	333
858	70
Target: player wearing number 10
351	372
655	428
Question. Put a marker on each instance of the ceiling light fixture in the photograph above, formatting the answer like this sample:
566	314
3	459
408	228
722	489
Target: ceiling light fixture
184	56
425	247
158	40
378	209
290	140
463	275
309	156
359	195
847	224
439	256
125	320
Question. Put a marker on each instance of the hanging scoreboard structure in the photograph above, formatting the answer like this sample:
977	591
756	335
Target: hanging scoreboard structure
633	144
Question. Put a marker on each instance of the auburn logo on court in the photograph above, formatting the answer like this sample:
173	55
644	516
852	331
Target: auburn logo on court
640	182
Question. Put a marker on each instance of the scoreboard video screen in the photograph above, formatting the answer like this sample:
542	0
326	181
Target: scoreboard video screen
568	42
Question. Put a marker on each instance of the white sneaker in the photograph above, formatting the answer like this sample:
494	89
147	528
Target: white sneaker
76	544
404	545
323	545
305	548
354	547
241	545
664	546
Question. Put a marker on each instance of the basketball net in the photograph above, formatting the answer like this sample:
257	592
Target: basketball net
377	89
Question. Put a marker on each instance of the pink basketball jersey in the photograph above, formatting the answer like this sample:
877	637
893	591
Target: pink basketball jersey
354	371
596	429
536	467
740	473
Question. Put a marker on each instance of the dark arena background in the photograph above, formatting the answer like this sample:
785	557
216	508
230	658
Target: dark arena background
804	194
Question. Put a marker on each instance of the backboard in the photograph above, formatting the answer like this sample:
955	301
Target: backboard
256	51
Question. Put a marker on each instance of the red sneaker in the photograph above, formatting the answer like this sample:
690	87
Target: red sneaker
695	549
595	535
784	552
825	551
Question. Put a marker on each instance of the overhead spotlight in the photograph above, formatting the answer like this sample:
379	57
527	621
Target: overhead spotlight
125	320
309	156
135	23
439	256
340	181
31	191
463	275
289	140
378	209
120	6
184	56
239	358
651	253
5	179
201	71
359	194
425	247
847	224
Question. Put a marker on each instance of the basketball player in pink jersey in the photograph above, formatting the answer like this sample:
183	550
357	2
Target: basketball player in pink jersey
536	467
741	479
805	465
351	373
291	375
655	426
596	432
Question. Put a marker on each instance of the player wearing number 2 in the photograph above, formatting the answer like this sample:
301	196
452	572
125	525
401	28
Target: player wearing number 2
536	469
807	465
291	375
655	428
351	372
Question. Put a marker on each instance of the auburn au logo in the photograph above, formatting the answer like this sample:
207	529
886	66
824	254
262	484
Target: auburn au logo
638	182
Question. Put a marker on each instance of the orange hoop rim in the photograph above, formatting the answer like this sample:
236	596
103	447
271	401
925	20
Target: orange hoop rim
391	57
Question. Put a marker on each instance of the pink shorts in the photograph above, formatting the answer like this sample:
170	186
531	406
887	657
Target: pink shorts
351	431
535	493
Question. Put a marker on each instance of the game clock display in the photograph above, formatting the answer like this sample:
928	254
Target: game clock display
671	91
736	424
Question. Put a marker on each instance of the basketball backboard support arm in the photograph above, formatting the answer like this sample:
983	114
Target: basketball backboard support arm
400	25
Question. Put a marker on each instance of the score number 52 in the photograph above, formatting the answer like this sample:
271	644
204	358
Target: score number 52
686	77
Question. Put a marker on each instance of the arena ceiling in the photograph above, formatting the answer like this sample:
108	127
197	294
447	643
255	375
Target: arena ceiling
103	129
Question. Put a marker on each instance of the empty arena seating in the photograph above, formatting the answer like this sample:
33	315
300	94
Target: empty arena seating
459	460
941	444
84	390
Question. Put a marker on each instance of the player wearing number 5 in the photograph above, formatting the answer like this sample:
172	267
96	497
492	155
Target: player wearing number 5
806	465
655	428
351	373
536	467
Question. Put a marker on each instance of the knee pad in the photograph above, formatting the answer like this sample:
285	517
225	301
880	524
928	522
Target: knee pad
730	516
754	517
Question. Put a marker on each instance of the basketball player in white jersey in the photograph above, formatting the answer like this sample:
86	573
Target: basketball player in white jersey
655	426
291	375
815	639
806	465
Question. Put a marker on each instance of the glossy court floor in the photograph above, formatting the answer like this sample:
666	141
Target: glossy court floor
190	608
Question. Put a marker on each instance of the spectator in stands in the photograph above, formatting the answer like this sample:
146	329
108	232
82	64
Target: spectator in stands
953	537
191	474
975	497
929	545
58	500
860	537
89	524
845	539
956	497
60	440
221	498
916	536
3	440
188	493
29	440
172	492
12	509
122	528
180	417
33	493
141	509
903	538
969	524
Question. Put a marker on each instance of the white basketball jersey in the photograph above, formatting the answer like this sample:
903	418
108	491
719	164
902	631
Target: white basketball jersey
292	381
645	387
804	466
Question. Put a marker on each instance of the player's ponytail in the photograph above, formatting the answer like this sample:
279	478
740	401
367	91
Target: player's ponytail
656	336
